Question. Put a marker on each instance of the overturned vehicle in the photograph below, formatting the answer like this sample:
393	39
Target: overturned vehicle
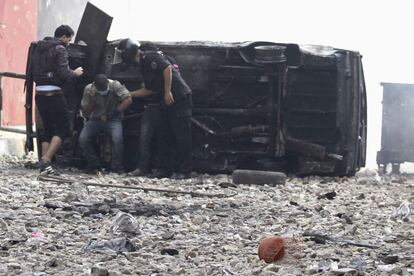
257	105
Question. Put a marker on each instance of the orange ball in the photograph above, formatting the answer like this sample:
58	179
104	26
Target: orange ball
271	249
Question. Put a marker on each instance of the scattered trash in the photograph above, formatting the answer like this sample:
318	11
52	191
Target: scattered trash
278	249
343	271
271	249
402	212
386	268
227	272
357	264
110	247
124	223
324	266
339	240
169	251
36	237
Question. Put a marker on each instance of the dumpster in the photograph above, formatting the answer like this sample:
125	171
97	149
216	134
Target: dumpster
397	143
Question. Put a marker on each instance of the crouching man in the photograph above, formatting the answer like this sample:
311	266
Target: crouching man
102	105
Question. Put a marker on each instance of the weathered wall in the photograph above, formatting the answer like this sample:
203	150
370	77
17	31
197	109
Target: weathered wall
18	28
21	22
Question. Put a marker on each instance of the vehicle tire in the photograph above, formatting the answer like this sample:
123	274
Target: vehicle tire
395	168
258	177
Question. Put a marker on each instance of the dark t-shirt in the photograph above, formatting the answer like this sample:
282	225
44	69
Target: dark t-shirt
152	66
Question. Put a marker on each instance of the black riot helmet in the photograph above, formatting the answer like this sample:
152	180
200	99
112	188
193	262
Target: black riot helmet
128	50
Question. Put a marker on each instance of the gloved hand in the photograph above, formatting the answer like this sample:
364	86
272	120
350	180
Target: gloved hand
112	114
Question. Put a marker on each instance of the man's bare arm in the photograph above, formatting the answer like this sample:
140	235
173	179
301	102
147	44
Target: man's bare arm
88	101
124	104
168	97
141	93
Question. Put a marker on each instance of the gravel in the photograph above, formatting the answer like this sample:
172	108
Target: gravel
45	227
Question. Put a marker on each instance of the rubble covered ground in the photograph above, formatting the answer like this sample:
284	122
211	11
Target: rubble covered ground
45	227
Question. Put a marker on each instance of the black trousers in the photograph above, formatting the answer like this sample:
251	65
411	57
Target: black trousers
54	114
175	135
148	131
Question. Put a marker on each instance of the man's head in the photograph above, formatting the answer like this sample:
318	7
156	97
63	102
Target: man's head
129	51
145	47
101	84
64	33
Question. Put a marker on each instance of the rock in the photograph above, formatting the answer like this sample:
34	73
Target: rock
343	271
54	262
169	251
329	195
389	259
14	266
168	236
361	196
227	185
97	270
272	268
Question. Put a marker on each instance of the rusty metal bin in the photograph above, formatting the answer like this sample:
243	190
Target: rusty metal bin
397	143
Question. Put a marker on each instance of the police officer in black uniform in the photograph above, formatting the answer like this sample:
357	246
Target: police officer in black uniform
163	79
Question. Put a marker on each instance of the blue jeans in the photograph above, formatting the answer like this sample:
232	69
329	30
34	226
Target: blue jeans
88	136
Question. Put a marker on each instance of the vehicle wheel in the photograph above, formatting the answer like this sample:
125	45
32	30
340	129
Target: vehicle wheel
258	177
395	168
382	169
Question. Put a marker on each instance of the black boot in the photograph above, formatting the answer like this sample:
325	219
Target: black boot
181	176
160	174
137	172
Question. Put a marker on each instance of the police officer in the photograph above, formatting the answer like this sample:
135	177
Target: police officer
148	128
51	72
163	80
